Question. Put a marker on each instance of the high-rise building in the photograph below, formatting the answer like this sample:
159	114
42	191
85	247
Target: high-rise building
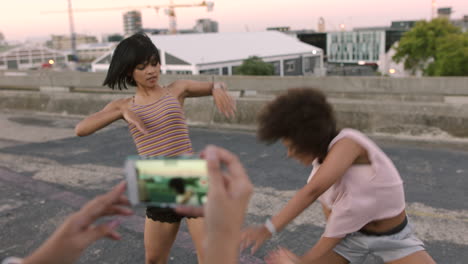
132	22
206	25
321	25
444	12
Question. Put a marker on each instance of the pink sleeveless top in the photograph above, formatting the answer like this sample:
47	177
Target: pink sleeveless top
168	132
365	193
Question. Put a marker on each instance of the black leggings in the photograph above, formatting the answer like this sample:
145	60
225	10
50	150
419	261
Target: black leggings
165	215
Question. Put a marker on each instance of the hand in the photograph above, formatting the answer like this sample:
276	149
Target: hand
229	191
133	119
225	103
78	231
282	256
228	197
254	237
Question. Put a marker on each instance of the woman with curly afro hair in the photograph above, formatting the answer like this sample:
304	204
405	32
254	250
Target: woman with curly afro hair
360	189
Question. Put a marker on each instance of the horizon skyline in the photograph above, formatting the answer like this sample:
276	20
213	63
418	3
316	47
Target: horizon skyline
239	16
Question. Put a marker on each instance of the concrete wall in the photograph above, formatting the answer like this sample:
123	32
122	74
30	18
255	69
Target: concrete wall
370	104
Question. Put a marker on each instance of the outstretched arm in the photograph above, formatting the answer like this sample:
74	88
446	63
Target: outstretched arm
113	111
340	157
322	252
225	103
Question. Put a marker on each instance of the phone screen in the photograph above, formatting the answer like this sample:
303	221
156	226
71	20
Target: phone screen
166	182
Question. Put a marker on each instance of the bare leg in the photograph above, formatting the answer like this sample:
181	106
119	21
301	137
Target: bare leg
420	257
196	229
159	238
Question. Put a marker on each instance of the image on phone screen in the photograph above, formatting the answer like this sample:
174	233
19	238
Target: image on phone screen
167	182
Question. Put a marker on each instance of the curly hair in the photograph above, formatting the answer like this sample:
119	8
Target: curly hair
303	116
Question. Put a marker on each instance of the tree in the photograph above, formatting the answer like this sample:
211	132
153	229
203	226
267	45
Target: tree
452	56
255	66
418	47
115	38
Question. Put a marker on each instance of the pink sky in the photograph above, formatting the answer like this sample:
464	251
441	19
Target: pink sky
22	19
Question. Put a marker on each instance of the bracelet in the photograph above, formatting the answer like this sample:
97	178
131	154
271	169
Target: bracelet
270	227
221	86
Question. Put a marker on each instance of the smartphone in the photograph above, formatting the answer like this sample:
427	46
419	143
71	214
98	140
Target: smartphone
166	182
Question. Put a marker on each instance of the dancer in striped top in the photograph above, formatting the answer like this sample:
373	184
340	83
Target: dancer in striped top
157	124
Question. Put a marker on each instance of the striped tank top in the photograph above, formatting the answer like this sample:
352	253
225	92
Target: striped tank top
167	129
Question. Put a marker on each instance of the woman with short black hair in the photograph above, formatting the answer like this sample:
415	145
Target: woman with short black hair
157	124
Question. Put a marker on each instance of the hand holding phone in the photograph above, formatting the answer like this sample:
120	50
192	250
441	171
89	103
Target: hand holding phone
167	182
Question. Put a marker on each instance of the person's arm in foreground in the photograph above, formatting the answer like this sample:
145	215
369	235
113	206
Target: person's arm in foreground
225	103
340	157
228	198
317	254
112	112
78	232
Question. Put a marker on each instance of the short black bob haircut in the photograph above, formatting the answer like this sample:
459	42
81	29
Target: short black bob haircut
303	116
132	51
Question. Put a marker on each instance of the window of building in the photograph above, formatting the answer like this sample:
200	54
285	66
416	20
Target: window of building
290	66
36	60
225	71
210	72
24	61
277	67
2	62
184	72
307	61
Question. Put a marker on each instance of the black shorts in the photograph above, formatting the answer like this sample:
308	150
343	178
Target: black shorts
165	215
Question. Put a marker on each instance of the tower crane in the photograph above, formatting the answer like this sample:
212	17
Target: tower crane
169	10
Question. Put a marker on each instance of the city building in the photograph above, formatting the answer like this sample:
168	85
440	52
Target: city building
132	22
32	57
364	50
317	39
444	12
91	51
2	39
280	29
461	23
206	25
355	46
63	42
221	53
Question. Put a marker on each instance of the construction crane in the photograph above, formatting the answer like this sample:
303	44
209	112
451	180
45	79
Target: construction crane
169	10
433	9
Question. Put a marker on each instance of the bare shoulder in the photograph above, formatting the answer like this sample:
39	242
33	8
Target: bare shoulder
119	103
348	146
178	87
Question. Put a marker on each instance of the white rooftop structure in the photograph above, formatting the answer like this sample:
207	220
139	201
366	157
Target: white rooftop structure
32	56
91	51
219	53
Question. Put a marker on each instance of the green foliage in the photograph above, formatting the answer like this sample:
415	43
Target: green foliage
425	47
115	38
452	56
255	66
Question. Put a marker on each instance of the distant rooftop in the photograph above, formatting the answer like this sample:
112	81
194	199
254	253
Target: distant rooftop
87	46
215	47
6	48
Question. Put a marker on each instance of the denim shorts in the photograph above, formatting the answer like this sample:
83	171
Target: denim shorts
356	246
